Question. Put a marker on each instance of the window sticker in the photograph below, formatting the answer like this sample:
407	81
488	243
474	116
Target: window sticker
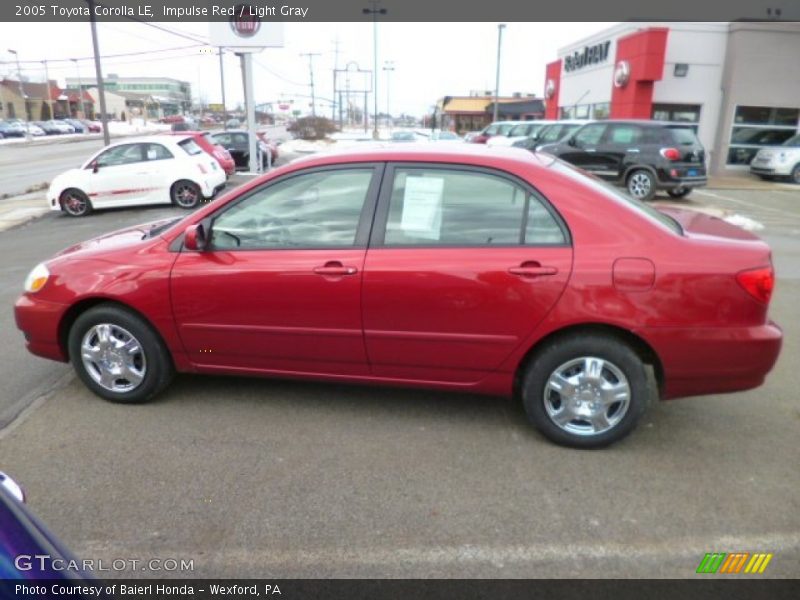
422	207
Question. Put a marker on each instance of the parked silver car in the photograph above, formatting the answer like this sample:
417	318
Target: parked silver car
778	161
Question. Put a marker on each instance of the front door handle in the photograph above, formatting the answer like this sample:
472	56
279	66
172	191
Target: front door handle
335	268
531	269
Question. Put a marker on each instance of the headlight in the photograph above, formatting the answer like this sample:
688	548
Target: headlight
36	278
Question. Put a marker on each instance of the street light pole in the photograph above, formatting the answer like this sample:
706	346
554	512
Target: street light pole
500	28
388	67
374	11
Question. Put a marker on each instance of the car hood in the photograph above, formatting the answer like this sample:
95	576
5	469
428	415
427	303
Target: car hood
697	223
111	242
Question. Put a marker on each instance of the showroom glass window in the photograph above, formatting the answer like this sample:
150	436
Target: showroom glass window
601	110
458	208
755	127
313	210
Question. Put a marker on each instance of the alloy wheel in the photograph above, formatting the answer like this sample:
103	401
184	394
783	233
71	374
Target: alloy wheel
113	357
587	396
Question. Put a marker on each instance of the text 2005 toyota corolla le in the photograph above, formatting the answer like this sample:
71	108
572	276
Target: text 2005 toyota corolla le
457	269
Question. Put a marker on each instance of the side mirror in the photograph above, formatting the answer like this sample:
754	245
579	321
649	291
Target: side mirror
194	238
95	166
572	142
12	487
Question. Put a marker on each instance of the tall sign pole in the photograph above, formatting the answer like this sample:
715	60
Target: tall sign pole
101	88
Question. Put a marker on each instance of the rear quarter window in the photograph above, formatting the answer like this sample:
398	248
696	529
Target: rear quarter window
683	135
190	147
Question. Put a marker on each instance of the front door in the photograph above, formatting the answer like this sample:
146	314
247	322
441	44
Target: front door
120	176
462	267
279	288
582	148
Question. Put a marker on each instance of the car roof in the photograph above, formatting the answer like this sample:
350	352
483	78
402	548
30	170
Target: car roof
475	154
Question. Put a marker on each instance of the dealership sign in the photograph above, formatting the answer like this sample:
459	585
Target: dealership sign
246	30
591	55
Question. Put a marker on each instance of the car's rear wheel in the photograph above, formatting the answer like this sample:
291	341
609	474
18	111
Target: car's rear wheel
642	184
75	203
679	192
186	194
118	355
795	176
586	390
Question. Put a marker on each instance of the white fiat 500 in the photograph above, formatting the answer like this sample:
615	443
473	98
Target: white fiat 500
154	170
779	161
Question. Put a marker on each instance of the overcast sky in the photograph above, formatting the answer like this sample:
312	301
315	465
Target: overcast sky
430	59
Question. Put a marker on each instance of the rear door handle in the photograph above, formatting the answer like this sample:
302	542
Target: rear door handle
532	269
335	268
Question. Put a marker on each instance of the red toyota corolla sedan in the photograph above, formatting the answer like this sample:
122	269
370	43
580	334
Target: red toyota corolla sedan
455	268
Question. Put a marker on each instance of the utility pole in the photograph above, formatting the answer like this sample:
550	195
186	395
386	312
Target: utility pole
335	68
375	11
222	86
500	28
311	56
388	66
101	88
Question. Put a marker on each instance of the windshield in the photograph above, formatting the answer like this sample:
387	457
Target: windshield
793	141
616	194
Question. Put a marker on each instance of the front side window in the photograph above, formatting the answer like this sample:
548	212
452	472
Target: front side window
590	135
454	207
121	155
312	210
157	152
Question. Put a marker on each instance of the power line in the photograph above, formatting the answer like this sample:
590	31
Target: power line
278	75
123	54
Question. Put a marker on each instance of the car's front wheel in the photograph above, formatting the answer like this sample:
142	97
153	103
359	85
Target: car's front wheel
186	194
75	203
642	184
118	355
586	390
679	192
795	176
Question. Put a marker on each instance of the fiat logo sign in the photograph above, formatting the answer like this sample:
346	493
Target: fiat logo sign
245	22
549	88
622	73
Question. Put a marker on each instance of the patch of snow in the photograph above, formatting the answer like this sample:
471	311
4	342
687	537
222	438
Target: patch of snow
745	223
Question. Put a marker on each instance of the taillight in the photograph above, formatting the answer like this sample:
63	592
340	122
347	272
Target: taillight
671	153
202	168
758	282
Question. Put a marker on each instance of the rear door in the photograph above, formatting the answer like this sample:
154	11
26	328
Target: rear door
620	147
462	265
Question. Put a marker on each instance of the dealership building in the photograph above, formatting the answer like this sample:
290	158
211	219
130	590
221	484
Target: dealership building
737	83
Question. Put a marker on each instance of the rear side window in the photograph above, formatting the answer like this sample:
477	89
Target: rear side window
452	207
190	147
683	135
624	134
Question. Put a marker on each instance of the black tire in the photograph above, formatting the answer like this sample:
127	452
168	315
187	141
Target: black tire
680	192
185	194
641	184
75	203
766	177
795	176
154	361
541	400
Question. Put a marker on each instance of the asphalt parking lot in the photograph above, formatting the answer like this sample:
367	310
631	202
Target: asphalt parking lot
256	477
